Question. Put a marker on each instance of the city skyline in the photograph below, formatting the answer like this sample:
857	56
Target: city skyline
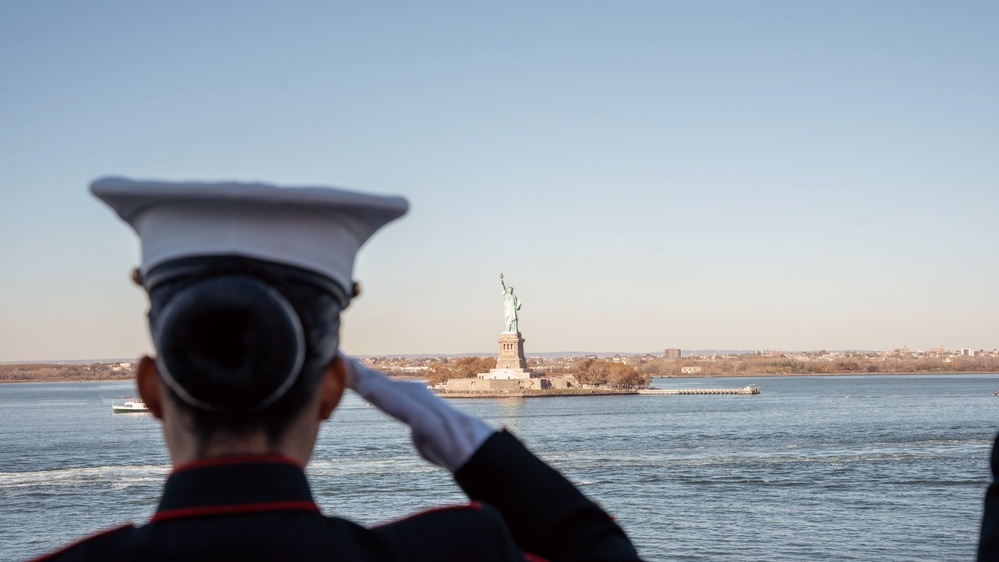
648	175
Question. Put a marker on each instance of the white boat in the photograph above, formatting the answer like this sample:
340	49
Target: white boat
131	406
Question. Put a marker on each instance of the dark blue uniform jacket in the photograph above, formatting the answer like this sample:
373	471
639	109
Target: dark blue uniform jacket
261	508
988	544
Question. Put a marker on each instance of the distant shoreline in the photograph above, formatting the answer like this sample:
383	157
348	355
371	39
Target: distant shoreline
839	374
752	376
66	380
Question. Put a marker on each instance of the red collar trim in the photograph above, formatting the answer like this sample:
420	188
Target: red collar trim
189	512
241	459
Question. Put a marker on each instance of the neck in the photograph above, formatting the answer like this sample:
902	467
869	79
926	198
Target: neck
185	445
229	446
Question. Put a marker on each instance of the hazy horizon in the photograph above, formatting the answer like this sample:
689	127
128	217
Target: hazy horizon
528	353
767	175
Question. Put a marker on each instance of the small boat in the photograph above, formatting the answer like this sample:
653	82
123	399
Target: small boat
131	406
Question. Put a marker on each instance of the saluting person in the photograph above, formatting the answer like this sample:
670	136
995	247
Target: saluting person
246	283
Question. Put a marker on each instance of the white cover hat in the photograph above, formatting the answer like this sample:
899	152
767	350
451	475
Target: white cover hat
319	229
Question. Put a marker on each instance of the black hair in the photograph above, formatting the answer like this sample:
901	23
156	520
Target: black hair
242	343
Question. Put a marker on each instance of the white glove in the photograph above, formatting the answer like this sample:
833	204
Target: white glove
442	434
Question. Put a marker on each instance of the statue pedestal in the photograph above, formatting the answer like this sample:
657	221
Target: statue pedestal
511	363
511	355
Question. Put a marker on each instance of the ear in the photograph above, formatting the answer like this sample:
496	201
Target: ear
147	378
335	378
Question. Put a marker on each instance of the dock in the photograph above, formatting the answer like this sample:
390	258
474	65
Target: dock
751	389
536	393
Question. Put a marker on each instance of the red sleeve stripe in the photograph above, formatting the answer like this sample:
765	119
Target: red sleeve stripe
528	557
95	536
233	509
476	506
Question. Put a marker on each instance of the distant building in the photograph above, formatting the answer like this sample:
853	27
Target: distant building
672	353
690	370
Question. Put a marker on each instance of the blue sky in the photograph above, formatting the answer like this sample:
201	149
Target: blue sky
788	175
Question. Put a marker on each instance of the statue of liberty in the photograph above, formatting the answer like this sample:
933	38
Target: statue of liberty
511	308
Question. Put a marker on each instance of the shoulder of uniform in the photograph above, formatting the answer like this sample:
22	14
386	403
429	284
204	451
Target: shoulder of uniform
90	540
472	531
446	510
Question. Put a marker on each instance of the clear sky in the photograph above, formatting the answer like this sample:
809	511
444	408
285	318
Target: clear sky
729	175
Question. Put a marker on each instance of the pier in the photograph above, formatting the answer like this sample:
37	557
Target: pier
751	389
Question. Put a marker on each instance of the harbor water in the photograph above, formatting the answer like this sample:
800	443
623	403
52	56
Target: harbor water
814	468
